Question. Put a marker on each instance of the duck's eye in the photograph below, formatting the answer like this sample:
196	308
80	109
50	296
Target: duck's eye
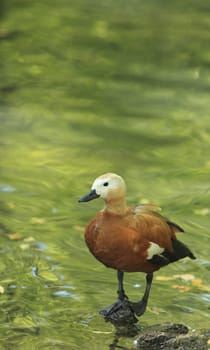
105	184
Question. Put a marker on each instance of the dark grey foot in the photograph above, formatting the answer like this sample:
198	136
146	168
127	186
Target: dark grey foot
114	308
119	313
138	308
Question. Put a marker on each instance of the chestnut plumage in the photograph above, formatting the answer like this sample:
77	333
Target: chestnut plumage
130	239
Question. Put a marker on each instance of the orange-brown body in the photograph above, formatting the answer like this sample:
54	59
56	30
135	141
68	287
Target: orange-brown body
122	241
130	239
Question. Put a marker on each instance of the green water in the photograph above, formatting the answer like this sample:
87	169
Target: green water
88	87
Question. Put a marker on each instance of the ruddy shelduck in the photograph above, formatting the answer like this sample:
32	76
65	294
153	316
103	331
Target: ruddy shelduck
130	239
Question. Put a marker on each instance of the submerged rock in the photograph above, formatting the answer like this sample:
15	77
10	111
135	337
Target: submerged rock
166	336
169	336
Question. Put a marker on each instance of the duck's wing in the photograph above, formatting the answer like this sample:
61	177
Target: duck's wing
175	228
153	227
161	231
154	210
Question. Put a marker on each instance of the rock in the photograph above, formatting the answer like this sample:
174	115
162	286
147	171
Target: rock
122	317
169	336
166	336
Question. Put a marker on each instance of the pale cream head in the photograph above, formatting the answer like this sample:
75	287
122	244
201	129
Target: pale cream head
110	187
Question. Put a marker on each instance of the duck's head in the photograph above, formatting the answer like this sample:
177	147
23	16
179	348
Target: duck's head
109	187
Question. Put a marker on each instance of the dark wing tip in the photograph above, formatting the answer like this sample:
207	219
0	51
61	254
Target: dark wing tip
192	256
175	227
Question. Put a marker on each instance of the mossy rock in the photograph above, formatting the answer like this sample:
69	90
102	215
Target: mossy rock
169	336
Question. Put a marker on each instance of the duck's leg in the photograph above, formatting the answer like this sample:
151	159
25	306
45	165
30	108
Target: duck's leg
140	307
120	291
122	298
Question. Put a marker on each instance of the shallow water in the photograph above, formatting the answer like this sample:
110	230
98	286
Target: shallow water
89	87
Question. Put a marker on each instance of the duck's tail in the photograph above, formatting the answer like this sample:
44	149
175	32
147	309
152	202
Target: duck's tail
180	251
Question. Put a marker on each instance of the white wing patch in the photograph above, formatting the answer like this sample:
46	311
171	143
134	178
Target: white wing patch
154	249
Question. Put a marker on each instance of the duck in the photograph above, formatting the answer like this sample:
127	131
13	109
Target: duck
130	238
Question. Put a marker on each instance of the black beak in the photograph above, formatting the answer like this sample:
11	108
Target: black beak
91	195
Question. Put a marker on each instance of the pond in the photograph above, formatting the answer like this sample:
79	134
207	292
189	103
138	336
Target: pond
89	87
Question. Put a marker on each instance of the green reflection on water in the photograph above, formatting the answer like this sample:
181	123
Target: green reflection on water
86	88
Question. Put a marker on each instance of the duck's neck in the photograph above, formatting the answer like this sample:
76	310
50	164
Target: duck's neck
116	207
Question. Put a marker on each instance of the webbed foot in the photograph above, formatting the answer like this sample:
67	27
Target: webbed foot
138	308
120	313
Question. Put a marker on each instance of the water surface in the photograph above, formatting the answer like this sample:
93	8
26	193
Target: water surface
88	87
